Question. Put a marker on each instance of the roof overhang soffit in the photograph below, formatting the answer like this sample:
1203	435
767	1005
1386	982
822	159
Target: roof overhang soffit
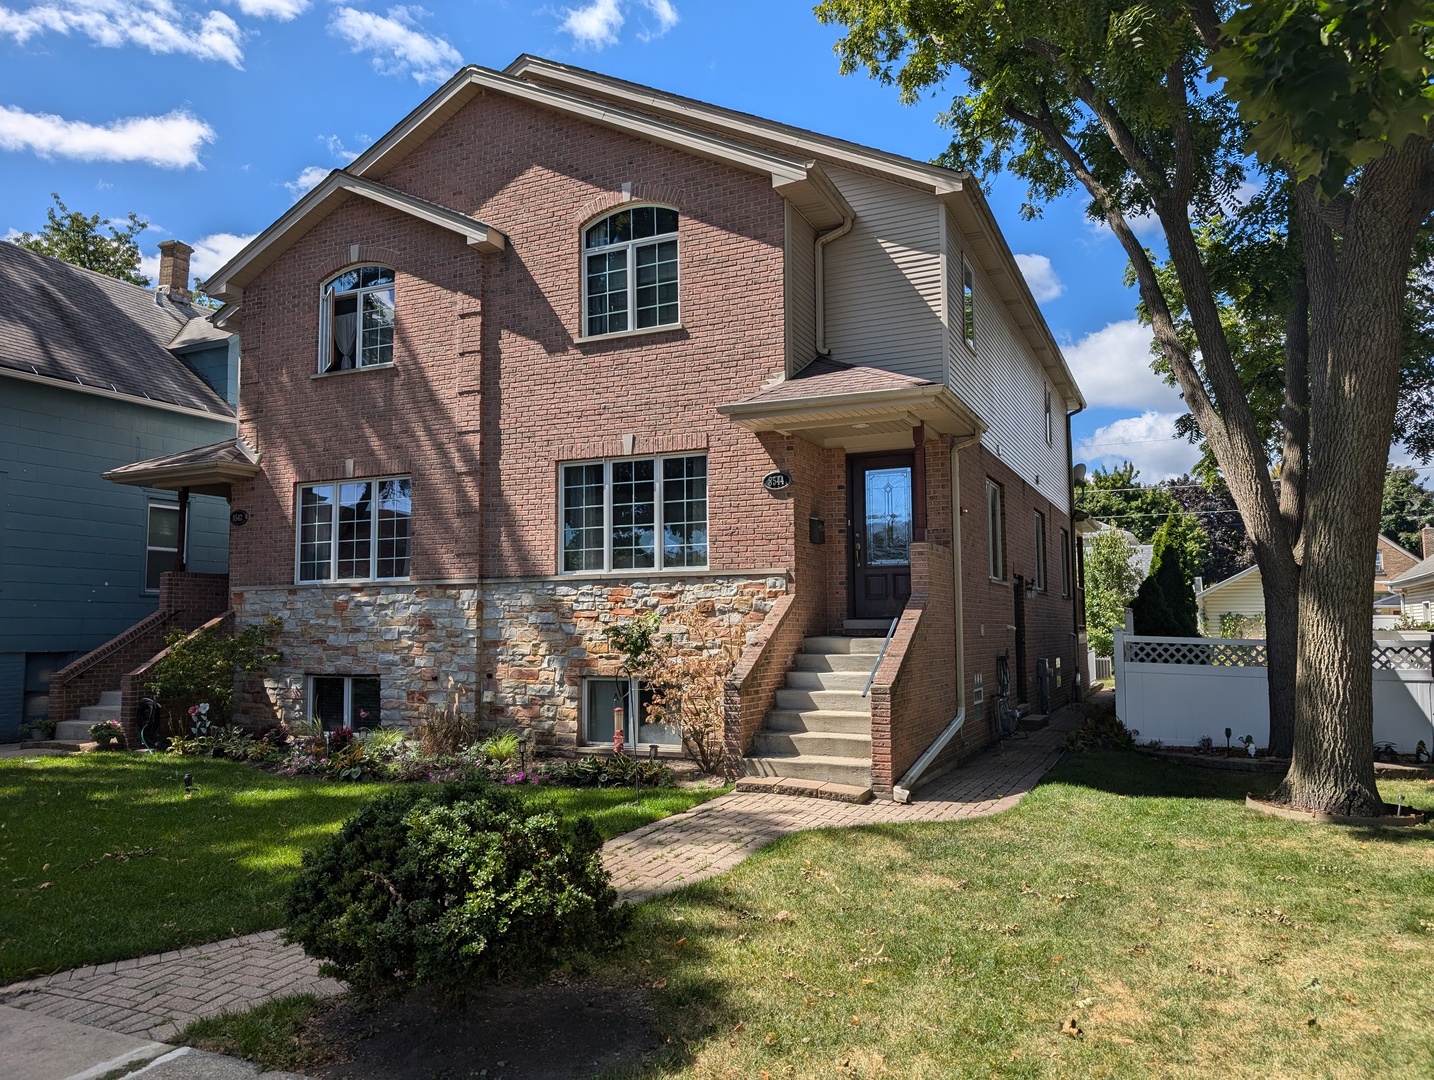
229	282
837	419
213	475
799	180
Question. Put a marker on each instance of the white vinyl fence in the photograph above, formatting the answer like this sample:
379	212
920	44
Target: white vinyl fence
1175	690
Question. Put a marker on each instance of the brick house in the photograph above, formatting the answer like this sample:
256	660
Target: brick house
559	349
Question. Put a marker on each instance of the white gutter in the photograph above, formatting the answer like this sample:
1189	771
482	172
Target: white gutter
820	273
901	791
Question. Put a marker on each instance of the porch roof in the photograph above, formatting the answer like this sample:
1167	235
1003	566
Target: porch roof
205	470
854	407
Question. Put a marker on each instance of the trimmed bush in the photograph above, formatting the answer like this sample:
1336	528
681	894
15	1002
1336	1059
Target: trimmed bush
450	888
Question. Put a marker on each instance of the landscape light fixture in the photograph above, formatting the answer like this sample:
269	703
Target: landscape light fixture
189	783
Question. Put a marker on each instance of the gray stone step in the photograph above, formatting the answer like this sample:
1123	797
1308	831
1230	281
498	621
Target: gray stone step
861	662
93	714
831	643
866	627
829	744
111	698
827	680
811	767
850	723
835	700
77	730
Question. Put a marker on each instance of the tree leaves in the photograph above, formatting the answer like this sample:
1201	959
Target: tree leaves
75	238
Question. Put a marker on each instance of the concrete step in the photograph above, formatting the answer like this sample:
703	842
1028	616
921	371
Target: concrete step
829	744
77	730
861	662
866	627
827	680
832	643
1033	722
808	767
811	789
819	720
110	697
93	714
834	700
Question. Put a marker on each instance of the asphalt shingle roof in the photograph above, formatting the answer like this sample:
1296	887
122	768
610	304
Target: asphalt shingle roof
79	327
823	377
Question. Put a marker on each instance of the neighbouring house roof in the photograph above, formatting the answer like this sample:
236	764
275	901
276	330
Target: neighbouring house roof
1231	580
1384	539
1418	574
66	326
835	404
1388	602
229	281
204	470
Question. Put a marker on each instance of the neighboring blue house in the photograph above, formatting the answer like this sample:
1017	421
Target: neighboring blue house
96	373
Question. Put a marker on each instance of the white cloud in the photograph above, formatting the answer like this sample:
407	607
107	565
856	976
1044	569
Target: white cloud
306	181
1112	368
338	149
282	10
596	24
157	25
1147	440
1040	276
399	45
210	253
171	141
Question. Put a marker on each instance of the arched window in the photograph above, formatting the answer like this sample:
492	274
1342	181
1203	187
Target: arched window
356	325
630	270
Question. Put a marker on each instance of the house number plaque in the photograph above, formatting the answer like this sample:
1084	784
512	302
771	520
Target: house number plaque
777	481
238	517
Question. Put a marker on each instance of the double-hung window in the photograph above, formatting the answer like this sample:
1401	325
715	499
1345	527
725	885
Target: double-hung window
630	271
1038	527
356	323
995	532
161	544
634	514
1065	563
355	530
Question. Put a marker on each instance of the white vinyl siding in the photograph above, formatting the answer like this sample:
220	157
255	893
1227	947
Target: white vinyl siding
883	279
1243	597
1003	381
801	287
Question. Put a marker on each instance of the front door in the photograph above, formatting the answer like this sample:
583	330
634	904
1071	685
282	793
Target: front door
881	522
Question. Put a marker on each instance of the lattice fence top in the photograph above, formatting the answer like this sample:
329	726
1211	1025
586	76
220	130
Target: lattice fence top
1220	652
1409	657
1211	652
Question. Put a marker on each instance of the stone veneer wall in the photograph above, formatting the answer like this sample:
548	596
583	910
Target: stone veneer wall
524	668
541	637
414	637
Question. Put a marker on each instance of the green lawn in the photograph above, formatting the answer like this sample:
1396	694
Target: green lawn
1184	935
103	856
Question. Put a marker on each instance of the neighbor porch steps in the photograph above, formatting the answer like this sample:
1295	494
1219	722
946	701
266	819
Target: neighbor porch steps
107	708
819	731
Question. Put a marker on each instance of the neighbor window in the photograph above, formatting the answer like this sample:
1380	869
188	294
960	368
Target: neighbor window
1065	563
344	701
634	514
356	323
1038	527
355	530
1379	562
995	538
968	294
601	697
1050	423
161	544
630	271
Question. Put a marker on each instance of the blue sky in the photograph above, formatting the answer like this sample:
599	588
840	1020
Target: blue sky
209	119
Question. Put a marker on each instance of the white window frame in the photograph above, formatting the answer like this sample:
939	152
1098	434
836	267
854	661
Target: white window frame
631	719
659	547
1038	529
1050	420
995	531
150	507
631	247
968	303
1065	563
333	577
311	700
326	318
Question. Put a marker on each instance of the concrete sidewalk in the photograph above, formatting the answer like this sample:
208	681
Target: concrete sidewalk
91	1018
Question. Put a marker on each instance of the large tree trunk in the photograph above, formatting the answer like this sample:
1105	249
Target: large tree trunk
1357	253
1282	624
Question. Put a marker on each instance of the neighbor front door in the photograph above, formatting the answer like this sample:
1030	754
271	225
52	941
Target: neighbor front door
881	520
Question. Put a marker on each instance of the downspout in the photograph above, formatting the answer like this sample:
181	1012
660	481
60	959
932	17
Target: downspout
819	271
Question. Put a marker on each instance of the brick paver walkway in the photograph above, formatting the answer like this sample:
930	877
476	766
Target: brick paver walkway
157	996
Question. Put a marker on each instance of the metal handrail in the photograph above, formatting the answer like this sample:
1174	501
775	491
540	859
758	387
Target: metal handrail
880	656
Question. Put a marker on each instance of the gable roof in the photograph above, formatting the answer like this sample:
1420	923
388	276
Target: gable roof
1417	574
1383	538
228	282
64	325
1253	569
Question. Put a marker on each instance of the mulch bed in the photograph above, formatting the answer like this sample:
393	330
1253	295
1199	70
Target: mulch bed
559	1029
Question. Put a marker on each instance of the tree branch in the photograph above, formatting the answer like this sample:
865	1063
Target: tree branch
1295	412
1207	24
1184	182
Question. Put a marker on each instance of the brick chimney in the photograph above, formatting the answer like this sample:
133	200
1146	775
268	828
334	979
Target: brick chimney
1426	538
174	270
